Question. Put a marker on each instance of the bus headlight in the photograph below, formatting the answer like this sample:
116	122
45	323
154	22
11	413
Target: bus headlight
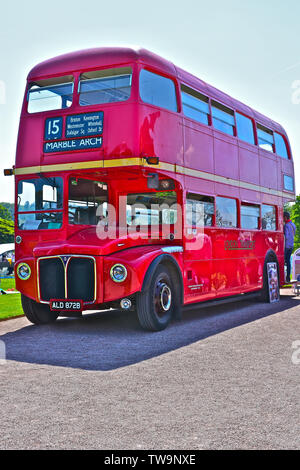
23	271
118	273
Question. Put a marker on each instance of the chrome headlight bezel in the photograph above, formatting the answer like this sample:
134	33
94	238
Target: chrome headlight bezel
25	276
113	276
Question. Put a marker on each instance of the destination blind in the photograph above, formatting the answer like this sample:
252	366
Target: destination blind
88	126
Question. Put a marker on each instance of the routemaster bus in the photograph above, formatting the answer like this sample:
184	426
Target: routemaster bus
139	186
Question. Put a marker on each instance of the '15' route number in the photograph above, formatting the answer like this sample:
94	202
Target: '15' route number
53	128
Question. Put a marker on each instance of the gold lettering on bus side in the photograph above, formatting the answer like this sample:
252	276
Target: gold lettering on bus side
231	245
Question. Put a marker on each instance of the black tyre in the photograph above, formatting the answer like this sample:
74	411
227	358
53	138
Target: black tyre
265	294
39	314
156	305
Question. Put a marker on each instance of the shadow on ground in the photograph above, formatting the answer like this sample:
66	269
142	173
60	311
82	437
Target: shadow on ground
113	339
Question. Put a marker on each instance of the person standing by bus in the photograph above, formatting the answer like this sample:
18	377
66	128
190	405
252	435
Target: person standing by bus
289	235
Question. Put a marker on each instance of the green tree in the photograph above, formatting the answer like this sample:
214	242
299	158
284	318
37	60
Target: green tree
6	231
10	207
5	213
6	226
295	216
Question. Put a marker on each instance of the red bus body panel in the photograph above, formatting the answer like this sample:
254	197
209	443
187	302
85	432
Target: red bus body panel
199	158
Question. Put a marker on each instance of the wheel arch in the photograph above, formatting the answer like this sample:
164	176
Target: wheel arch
175	271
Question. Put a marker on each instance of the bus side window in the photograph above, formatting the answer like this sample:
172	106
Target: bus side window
226	212
265	138
195	105
268	217
223	118
250	215
199	210
245	130
157	90
280	146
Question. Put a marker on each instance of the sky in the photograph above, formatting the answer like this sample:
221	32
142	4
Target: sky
248	49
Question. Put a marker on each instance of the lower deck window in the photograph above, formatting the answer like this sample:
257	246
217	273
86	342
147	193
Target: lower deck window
199	210
151	208
268	217
250	215
87	201
226	212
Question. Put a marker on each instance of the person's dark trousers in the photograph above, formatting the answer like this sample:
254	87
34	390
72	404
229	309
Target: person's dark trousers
287	260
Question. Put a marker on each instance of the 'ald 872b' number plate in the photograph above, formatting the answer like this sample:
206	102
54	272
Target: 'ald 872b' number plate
66	305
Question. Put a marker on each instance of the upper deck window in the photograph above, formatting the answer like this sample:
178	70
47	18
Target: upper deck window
50	94
157	90
280	144
105	86
245	130
265	138
223	118
195	105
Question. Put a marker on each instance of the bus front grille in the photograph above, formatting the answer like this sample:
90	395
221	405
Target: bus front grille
67	277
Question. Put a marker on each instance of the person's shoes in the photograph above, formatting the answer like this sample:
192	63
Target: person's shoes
287	281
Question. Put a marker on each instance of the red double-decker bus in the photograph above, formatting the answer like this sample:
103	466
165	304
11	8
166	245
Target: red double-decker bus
139	186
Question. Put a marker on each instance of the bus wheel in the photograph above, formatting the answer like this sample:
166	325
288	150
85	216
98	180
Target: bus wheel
40	314
265	294
156	305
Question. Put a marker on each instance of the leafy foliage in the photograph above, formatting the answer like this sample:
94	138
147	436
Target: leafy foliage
295	216
10	207
6	225
294	210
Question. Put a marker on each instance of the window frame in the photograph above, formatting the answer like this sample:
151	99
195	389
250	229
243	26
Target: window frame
39	211
81	177
199	97
251	204
265	129
284	175
285	143
201	195
255	140
276	218
237	227
168	77
104	69
219	106
149	225
72	76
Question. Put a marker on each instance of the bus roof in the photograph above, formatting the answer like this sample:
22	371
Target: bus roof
91	59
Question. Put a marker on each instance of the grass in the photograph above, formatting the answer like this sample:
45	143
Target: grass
10	304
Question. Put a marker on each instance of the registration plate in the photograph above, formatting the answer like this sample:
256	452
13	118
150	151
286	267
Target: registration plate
66	305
